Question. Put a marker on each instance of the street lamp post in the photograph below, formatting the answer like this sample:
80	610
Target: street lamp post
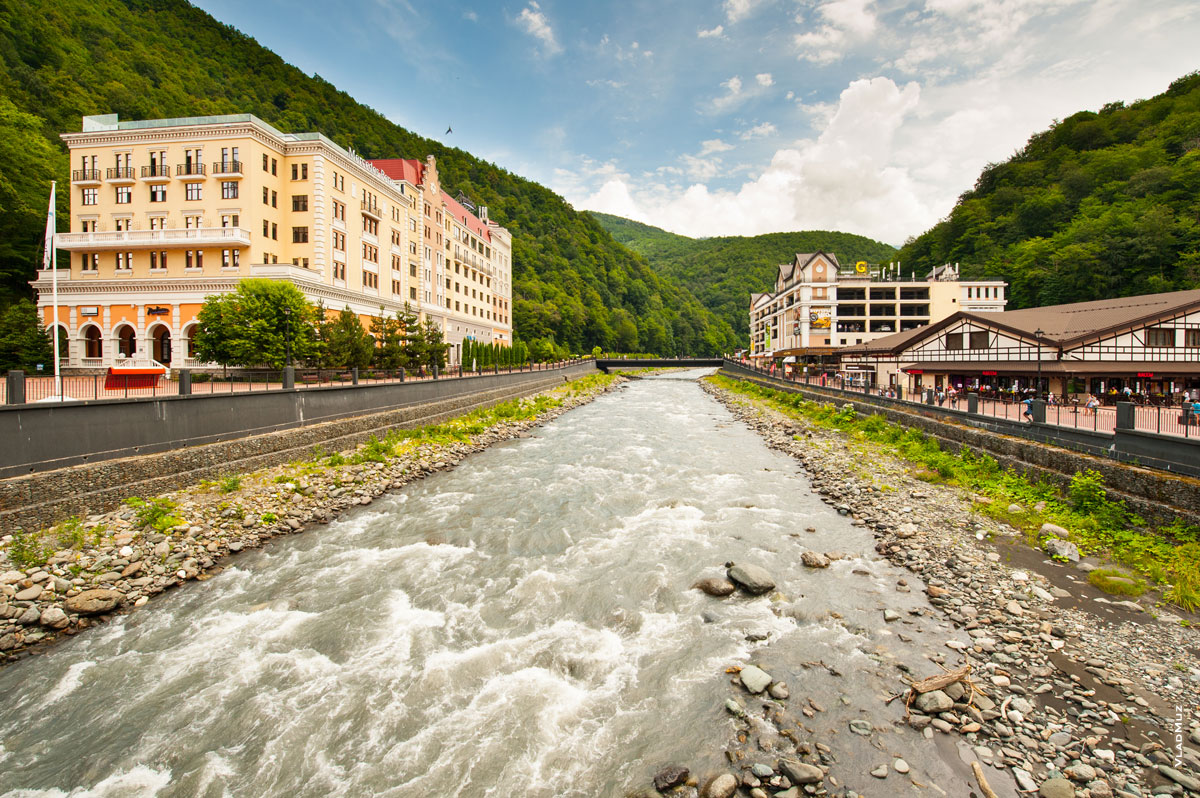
287	335
1039	333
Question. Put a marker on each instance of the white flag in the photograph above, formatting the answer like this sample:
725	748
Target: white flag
50	225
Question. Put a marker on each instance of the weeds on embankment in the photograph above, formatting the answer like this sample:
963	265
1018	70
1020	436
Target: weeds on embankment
1169	556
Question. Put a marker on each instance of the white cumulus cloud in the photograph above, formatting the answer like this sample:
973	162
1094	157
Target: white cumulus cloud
534	22
759	131
764	79
712	33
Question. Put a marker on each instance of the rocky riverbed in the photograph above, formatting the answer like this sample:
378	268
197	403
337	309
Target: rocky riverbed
119	566
1054	690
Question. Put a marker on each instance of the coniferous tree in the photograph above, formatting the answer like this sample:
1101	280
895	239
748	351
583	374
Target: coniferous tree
24	343
348	345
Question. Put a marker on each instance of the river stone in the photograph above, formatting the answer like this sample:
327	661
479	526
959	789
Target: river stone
669	777
778	691
1183	780
801	772
814	560
933	702
715	586
1056	788
11	577
907	530
723	786
861	727
54	618
880	772
1054	530
93	602
751	578
1080	773
29	593
29	617
754	679
1062	548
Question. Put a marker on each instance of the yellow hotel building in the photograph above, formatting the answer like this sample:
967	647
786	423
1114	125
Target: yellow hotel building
166	212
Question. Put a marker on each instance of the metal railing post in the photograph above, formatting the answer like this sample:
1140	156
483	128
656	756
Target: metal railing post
15	386
354	376
185	382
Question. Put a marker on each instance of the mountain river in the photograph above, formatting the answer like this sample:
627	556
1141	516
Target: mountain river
522	625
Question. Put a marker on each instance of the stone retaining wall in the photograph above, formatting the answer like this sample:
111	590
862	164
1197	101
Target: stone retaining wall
1158	496
45	498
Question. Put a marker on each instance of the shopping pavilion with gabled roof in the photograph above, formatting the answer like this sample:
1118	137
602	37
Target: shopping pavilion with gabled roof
1149	343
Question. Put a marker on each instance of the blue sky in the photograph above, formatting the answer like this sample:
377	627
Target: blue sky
737	116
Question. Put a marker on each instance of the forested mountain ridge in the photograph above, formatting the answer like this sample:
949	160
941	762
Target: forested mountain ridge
722	272
148	59
1100	205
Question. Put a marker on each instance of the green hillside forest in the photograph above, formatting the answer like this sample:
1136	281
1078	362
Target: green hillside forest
723	272
1100	205
146	59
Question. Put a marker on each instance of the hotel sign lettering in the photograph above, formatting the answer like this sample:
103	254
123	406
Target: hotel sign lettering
156	311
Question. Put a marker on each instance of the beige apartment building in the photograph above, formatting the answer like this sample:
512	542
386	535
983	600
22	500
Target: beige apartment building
819	307
166	212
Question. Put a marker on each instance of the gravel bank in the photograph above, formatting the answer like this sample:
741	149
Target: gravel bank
122	565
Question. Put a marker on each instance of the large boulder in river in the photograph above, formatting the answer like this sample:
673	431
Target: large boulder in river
814	560
669	777
801	772
715	586
751	578
94	602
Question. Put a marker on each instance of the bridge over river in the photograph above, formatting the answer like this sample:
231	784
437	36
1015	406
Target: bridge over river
605	364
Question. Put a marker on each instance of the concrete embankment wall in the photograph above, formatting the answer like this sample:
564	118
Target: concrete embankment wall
1158	496
207	439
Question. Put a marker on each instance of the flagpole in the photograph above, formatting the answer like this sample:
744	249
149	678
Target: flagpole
50	234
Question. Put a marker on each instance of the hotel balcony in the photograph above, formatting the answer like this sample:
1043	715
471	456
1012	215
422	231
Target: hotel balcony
371	209
85	177
156	173
121	175
154	239
227	170
190	171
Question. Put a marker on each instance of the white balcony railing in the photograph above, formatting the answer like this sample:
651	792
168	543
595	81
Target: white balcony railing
153	239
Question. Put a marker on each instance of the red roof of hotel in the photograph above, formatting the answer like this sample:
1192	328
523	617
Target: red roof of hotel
409	169
468	219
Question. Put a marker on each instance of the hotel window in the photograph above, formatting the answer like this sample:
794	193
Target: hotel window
396	263
229	189
412	247
979	339
266	228
1160	336
122	224
339	271
339	210
89	261
158	222
124	261
274	199
266	195
299	202
301	262
370	253
339	241
229	220
192	191
396	290
299	171
274	232
230	258
370	226
274	166
191	222
412	270
1191	339
954	342
158	261
412	293
264	162
124	195
91	196
299	235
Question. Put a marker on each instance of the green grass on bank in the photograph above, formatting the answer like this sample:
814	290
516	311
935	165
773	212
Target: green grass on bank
32	549
1168	556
